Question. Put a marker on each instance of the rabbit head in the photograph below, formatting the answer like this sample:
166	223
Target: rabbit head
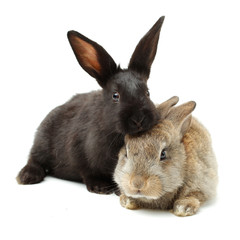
125	95
152	164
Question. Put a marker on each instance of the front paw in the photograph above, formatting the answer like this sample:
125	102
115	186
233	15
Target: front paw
128	203
100	186
186	207
31	174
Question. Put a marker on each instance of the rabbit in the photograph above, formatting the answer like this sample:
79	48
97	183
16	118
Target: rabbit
170	167
80	140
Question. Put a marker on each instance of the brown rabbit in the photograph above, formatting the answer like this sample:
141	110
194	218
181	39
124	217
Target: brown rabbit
172	166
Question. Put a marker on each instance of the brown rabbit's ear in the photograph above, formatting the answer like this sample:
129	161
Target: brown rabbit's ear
181	116
92	57
164	108
145	51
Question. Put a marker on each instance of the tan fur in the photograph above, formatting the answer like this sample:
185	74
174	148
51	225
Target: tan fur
182	182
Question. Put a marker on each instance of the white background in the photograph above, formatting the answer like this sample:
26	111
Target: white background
198	59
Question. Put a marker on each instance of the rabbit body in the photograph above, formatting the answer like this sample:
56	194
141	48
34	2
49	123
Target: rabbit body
80	140
69	150
172	166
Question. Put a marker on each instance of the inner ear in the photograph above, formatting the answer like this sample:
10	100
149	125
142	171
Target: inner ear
89	56
86	55
126	138
92	57
186	125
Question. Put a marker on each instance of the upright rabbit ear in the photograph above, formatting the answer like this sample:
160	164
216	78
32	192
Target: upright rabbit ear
164	108
92	57
181	116
145	51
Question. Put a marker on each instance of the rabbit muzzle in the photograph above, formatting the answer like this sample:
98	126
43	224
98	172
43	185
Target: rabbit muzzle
140	121
139	186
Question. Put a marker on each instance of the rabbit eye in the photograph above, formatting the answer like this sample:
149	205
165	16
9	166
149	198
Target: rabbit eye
147	93
163	155
116	97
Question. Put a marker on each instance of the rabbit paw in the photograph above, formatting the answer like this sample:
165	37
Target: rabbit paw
100	186
128	203
186	207
31	174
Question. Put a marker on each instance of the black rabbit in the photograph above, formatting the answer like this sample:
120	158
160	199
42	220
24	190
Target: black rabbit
80	139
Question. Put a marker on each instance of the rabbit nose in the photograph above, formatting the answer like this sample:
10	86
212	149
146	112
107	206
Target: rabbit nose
138	182
136	122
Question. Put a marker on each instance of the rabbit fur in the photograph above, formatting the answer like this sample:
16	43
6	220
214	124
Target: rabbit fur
172	166
80	140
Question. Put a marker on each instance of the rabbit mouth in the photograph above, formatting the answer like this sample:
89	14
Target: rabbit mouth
143	194
139	195
141	186
138	119
139	126
137	130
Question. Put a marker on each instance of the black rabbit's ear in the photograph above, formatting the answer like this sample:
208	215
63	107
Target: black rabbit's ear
92	57
145	51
